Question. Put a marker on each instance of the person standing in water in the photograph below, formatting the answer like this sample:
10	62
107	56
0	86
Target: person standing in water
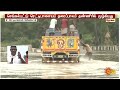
88	51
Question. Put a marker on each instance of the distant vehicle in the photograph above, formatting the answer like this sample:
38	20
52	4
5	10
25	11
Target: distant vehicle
58	48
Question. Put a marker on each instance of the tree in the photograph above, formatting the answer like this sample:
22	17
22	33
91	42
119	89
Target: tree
92	30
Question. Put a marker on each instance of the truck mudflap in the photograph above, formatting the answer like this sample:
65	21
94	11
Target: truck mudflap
70	55
73	55
48	61
60	60
46	55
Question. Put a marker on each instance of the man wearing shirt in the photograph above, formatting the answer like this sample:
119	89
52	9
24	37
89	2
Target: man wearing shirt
15	58
52	26
64	26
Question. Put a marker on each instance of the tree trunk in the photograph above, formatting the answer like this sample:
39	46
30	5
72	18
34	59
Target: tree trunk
96	33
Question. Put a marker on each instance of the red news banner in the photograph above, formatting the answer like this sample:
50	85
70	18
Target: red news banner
28	17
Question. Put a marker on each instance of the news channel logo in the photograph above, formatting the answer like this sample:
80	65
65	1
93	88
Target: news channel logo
109	71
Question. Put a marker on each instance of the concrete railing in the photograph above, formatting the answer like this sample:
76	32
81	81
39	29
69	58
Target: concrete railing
104	48
94	48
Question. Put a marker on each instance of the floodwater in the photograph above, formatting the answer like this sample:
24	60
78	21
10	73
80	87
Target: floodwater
93	69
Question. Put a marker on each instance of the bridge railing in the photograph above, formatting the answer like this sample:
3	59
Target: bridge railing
105	48
94	48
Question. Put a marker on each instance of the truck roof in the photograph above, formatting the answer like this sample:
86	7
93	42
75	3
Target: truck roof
58	33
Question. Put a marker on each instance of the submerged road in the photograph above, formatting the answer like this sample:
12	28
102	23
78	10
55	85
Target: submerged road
94	69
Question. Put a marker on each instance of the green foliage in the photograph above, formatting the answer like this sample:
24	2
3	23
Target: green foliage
92	30
36	43
88	38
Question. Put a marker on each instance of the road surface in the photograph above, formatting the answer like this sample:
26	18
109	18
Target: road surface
94	69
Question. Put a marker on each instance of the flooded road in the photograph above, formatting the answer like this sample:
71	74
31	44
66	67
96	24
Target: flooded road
94	69
37	70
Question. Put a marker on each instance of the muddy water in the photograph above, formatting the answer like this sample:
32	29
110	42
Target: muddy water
94	69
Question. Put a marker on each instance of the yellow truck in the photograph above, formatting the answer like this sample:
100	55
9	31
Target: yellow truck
60	48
